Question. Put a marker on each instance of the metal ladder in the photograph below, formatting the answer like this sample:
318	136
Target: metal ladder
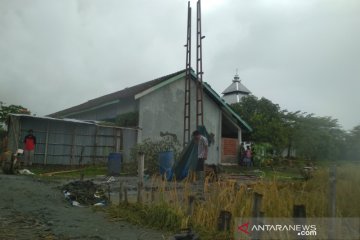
187	107
199	76
199	71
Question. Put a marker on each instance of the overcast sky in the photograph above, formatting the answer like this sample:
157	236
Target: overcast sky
301	54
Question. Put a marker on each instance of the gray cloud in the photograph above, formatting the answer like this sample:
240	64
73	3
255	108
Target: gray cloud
303	55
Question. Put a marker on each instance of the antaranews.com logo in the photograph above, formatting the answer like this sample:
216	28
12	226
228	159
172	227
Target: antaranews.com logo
297	228
302	230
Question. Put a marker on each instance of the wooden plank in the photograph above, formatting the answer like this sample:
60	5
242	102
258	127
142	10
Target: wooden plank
257	205
60	172
114	135
299	211
191	200
256	213
46	144
121	191
73	146
141	161
332	201
95	144
120	141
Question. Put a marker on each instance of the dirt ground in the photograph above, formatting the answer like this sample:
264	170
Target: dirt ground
36	209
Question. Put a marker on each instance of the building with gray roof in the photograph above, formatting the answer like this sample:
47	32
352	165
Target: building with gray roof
236	91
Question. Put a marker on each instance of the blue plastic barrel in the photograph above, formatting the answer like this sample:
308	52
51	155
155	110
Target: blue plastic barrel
166	162
114	164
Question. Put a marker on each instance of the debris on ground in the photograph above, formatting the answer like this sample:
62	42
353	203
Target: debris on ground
36	209
84	193
25	172
111	179
186	234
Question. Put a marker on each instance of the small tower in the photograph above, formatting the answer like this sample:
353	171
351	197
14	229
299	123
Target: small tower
235	91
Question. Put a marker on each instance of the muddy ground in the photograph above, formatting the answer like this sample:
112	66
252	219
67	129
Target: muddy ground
31	208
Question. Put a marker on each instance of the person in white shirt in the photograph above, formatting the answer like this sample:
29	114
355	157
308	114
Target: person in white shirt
203	149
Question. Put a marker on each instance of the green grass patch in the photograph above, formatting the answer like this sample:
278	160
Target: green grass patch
278	172
69	171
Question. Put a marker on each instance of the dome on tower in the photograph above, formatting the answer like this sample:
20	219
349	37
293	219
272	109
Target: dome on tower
235	91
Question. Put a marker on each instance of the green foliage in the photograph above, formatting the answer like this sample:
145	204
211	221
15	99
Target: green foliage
151	149
6	110
313	138
318	138
4	113
266	119
2	133
353	144
3	142
130	119
263	152
129	169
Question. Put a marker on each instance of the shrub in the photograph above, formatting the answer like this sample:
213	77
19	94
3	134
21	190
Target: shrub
129	119
152	148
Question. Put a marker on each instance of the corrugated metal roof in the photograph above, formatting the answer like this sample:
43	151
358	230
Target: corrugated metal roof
132	91
54	119
236	87
90	122
122	94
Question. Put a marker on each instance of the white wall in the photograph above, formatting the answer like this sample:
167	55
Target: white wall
163	111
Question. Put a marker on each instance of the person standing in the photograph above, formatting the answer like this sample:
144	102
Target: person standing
29	148
203	149
248	157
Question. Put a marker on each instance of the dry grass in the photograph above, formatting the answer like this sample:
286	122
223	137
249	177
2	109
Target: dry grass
278	200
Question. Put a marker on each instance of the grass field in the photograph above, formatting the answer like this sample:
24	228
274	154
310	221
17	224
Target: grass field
281	188
169	212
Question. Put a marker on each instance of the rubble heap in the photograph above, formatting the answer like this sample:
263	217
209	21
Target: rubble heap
84	193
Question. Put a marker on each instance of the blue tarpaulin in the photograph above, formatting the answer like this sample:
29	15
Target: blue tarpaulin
188	159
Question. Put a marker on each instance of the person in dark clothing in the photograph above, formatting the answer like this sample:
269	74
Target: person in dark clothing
29	148
248	157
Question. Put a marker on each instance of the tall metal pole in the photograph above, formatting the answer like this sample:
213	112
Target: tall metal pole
187	104
199	70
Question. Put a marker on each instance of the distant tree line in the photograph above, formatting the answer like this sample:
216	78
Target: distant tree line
5	110
312	137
